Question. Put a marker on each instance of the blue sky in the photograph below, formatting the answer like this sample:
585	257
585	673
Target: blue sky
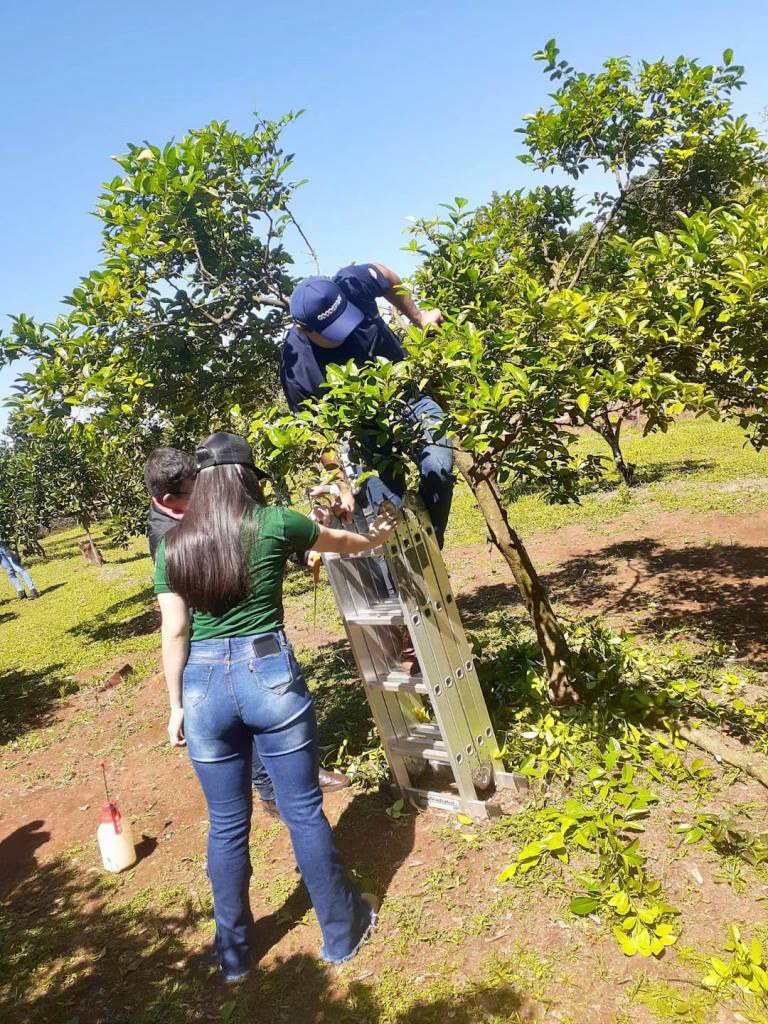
407	105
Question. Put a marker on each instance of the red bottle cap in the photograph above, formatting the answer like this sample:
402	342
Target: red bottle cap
111	814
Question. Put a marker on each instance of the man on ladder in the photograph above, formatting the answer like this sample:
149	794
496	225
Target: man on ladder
336	320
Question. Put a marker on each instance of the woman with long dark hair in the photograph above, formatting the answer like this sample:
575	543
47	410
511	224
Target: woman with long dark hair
236	679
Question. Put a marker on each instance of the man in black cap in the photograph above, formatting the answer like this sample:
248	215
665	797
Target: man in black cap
338	320
170	478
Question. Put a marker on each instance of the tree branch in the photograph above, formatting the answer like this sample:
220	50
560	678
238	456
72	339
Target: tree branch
748	761
203	270
596	240
307	242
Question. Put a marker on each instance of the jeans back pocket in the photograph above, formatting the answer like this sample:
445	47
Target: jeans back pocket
196	680
273	672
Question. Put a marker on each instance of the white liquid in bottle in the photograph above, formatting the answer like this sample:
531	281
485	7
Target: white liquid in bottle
115	839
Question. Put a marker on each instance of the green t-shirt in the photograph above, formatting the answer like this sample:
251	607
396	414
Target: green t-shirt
280	531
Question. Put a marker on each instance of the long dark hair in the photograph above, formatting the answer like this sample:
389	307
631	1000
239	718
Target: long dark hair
207	555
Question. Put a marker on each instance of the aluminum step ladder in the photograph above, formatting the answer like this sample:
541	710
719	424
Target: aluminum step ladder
434	725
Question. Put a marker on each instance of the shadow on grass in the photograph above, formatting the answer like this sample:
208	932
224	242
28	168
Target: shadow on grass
115	632
712	593
17	853
7	617
143	957
653	473
27	697
137	557
650	473
372	845
340	702
656	472
116	624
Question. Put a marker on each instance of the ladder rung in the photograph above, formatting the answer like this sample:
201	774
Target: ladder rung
334	556
400	682
384	614
429	750
453	803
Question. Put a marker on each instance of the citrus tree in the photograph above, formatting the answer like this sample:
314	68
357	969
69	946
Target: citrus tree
183	316
24	509
553	266
550	319
187	306
709	278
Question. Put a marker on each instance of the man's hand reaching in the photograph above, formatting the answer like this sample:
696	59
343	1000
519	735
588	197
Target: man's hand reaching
430	317
346	504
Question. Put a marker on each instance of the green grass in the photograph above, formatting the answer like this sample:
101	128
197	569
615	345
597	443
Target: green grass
86	615
686	468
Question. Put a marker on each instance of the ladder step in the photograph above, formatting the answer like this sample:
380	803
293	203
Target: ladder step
400	682
387	613
442	801
427	749
334	556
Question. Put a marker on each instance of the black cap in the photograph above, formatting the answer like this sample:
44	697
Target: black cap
223	449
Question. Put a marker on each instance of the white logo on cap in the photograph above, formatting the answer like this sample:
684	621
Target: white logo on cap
331	309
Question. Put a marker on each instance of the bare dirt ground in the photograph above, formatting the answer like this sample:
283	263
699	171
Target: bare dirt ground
519	954
701	573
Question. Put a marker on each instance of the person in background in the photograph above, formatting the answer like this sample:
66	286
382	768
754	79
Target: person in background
170	479
235	681
16	573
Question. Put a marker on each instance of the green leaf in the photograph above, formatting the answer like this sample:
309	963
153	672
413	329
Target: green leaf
227	1009
555	842
620	902
583	905
532	851
583	402
727	56
396	810
627	943
720	967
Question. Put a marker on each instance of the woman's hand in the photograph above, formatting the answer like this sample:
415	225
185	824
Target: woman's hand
347	542
176	728
382	528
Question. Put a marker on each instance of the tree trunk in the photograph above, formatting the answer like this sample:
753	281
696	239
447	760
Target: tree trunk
611	435
31	546
90	552
548	631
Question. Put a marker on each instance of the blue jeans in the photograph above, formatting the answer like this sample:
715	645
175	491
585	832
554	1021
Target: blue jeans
232	698
434	460
13	569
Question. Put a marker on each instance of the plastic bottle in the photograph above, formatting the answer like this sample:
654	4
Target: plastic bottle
115	839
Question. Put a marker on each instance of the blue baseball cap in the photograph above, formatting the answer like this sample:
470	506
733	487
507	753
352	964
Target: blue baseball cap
320	305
